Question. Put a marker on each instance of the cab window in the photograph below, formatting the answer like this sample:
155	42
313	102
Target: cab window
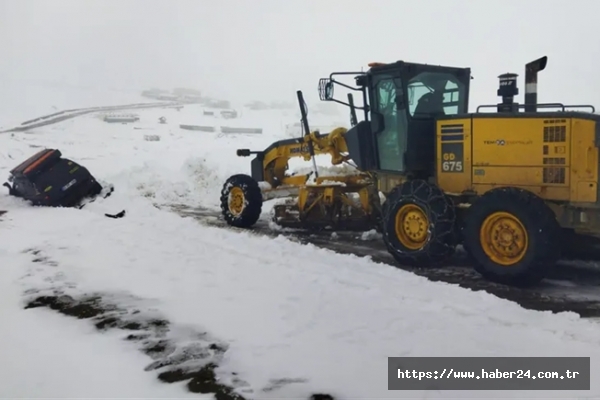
431	94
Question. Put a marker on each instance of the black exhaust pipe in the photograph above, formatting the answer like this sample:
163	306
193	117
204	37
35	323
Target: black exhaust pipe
531	71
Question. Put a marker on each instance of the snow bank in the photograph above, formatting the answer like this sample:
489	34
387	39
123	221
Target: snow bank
324	319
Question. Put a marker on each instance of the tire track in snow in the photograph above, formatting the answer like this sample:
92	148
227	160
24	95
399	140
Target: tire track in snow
571	286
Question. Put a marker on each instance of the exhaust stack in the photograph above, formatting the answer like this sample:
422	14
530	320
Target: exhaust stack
531	71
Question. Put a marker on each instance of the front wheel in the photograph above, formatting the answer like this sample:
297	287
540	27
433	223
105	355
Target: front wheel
241	201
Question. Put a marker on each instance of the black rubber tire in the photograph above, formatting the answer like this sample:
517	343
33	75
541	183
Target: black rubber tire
579	246
252	196
441	214
543	231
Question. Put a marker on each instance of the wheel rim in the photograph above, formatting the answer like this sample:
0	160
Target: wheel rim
236	201
503	238
412	226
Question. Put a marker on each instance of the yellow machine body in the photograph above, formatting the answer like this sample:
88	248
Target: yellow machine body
553	156
275	159
339	201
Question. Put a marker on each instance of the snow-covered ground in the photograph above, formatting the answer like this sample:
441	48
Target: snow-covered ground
21	100
310	319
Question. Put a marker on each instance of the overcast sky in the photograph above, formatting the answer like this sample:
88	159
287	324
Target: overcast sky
270	48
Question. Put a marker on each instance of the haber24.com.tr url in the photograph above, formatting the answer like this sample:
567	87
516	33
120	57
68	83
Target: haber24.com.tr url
450	373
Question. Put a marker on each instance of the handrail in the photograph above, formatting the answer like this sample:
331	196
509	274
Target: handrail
542	105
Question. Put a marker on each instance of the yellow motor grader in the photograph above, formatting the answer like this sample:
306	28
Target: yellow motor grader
509	184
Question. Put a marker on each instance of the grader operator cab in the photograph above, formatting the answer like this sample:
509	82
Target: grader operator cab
508	185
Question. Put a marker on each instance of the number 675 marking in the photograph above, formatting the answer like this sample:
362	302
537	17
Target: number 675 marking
452	166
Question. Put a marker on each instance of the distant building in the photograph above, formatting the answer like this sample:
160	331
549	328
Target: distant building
186	92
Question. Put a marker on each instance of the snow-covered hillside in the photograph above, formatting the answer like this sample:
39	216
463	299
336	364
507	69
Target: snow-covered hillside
281	320
21	100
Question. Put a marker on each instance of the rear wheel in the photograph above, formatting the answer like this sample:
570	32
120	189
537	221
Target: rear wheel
419	224
512	236
241	201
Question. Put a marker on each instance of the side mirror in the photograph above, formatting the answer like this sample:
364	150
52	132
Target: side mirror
325	89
